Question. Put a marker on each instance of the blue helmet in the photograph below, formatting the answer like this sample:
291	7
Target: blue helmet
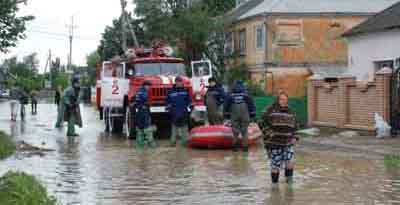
238	87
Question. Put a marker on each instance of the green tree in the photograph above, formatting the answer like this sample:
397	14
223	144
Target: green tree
32	62
12	27
218	7
62	80
25	76
92	61
111	41
197	29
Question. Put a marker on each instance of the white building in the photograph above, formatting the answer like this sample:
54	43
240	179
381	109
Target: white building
375	44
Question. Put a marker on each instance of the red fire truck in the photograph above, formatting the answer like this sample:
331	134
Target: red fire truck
118	81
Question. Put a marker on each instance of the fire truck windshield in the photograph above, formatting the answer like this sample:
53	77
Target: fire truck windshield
160	69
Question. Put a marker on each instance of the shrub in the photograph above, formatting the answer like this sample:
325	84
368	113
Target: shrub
7	146
22	189
392	161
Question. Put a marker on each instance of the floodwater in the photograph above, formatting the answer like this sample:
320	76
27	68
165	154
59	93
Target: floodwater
101	169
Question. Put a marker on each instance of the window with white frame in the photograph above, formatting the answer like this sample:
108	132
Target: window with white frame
259	38
229	43
242	42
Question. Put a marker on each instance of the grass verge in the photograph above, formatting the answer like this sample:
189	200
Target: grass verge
392	161
7	146
22	189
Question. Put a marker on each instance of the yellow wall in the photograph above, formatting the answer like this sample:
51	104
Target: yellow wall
321	41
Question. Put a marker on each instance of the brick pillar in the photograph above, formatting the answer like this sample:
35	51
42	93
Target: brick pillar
311	102
383	78
343	98
312	98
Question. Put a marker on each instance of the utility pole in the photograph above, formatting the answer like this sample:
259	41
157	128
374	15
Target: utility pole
48	64
126	22
71	28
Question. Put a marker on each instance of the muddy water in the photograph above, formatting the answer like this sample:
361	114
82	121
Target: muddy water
99	169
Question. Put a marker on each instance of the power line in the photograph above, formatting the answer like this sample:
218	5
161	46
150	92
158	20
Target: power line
60	34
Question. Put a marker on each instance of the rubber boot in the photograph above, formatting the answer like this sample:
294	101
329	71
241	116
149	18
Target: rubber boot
289	176
245	146
149	137
71	127
274	178
140	137
174	131
236	147
184	135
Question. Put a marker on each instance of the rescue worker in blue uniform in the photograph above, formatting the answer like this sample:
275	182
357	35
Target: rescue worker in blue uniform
179	106
144	132
240	109
214	100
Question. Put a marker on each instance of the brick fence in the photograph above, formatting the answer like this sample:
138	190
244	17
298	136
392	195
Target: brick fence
347	103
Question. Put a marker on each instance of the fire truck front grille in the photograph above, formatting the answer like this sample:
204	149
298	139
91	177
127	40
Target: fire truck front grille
159	94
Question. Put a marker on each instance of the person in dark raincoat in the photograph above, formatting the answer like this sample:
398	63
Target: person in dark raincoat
179	106
57	96
240	109
279	125
34	102
214	99
69	108
144	132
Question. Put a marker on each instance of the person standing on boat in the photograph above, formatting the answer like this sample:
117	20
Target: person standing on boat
179	106
144	132
279	125
240	109
214	99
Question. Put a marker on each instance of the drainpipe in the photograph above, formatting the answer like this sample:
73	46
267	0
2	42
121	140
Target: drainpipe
265	69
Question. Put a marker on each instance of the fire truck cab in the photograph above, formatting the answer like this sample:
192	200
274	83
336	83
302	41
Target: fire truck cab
119	80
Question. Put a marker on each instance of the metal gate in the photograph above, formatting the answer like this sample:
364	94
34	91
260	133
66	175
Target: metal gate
395	99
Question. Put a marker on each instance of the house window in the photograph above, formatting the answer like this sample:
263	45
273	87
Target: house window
397	63
290	32
259	37
242	42
382	64
229	43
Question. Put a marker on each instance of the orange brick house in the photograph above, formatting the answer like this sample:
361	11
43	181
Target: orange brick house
270	35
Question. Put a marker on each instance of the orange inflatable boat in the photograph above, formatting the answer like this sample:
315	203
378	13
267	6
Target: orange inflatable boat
219	136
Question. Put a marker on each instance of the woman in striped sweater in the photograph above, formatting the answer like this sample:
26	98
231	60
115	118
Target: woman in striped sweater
279	126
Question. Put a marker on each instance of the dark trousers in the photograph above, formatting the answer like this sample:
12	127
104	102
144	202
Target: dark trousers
34	107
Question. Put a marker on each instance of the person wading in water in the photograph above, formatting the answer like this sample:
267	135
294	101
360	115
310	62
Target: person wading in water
179	107
279	125
69	110
214	99
144	132
240	109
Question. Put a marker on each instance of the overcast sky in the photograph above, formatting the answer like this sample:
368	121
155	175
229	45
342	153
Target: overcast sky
49	31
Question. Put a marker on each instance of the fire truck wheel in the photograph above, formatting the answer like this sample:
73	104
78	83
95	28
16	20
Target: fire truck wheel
117	125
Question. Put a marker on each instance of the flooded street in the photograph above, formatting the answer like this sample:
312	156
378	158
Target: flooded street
101	169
